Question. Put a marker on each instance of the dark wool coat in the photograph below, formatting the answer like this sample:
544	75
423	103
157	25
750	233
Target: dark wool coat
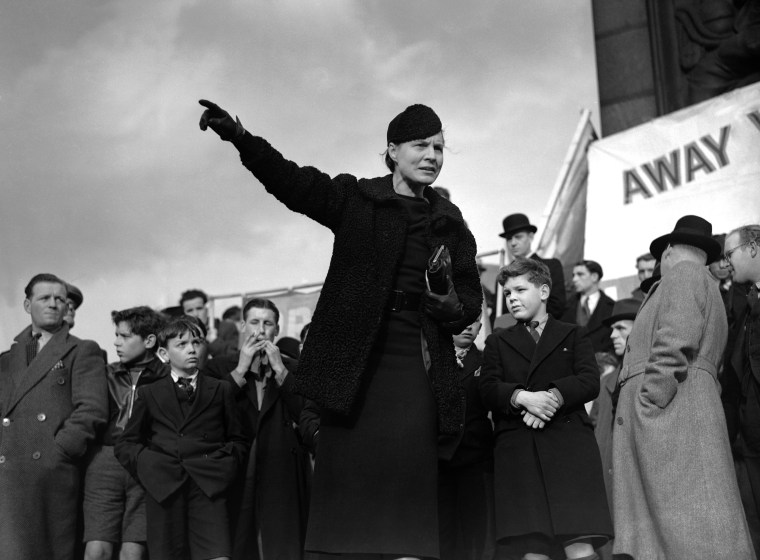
550	480
598	333
51	411
161	447
370	232
273	492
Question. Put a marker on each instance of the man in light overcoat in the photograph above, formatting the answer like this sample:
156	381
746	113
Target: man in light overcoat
675	491
53	398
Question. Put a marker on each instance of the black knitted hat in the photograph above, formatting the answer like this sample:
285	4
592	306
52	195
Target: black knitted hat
413	123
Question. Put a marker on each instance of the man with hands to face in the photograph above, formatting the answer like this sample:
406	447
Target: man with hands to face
270	504
536	377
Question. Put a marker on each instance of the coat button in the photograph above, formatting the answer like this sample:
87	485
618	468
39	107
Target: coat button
6	421
36	455
2	459
41	417
61	381
620	421
181	434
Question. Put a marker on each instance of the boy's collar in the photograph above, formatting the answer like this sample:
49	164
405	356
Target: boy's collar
176	375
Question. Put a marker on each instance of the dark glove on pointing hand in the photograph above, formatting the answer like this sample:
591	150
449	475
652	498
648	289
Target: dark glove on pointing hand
220	121
446	308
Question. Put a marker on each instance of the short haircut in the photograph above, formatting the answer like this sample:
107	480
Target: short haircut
42	277
538	273
748	233
232	313
192	294
177	327
645	257
142	320
261	303
203	328
592	267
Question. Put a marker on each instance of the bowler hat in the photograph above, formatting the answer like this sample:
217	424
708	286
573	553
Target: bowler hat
646	283
515	223
625	309
689	230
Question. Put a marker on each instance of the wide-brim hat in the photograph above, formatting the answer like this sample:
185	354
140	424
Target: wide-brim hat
515	223
689	230
646	283
625	309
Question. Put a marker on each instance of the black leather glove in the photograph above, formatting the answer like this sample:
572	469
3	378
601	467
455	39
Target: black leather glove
444	308
220	121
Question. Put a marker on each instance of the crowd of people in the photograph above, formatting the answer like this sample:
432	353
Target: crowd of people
585	428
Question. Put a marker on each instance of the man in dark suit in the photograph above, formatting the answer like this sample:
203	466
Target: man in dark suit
184	443
53	398
591	306
519	233
741	373
271	499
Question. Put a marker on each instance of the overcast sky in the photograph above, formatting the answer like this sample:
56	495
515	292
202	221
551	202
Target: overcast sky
108	182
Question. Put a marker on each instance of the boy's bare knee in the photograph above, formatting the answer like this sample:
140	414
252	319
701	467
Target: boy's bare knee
98	550
132	551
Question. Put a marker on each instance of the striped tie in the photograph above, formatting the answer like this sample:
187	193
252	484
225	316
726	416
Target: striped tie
31	347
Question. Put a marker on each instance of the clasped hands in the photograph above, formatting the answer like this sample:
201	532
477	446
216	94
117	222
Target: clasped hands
538	407
251	348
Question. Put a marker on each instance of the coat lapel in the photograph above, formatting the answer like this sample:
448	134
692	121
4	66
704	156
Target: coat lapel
271	394
167	399
52	353
518	338
204	394
554	333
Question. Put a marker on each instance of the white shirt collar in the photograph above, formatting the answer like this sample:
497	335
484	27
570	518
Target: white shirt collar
193	378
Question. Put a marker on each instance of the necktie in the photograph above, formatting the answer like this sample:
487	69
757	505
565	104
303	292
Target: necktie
584	312
186	385
31	347
532	330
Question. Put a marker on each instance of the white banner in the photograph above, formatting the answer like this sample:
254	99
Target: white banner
702	160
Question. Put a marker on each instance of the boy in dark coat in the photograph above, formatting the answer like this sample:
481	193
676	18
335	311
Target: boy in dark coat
536	377
184	442
465	468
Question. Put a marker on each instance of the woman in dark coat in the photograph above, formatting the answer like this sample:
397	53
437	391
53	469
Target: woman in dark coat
379	358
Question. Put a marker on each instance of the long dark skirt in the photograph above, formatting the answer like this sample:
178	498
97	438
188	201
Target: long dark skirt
375	485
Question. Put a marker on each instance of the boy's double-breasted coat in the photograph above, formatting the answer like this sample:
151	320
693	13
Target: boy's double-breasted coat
50	410
161	447
675	491
547	481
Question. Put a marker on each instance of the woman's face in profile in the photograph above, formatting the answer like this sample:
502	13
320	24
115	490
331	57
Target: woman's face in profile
419	161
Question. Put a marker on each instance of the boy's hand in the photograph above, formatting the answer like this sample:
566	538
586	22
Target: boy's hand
542	404
220	121
532	421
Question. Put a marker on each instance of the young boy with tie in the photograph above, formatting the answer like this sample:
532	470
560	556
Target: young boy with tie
184	443
536	377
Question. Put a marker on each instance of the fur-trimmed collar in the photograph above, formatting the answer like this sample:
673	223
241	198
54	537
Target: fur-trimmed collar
381	190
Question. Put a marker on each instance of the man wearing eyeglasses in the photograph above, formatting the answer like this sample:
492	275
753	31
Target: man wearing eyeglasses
741	374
